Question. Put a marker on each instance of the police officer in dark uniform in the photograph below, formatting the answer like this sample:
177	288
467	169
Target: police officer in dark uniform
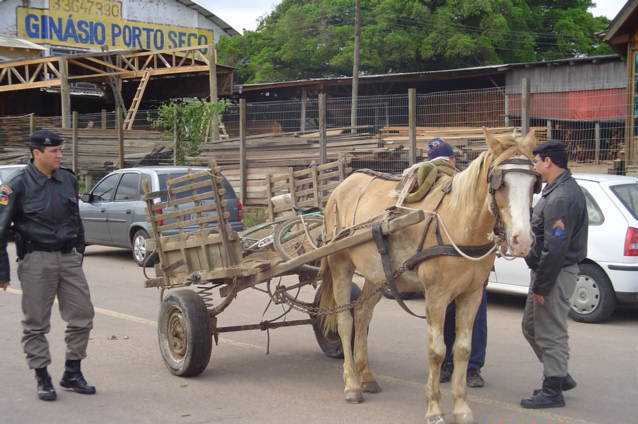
560	224
41	202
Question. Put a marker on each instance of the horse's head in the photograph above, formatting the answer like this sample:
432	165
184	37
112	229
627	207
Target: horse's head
512	183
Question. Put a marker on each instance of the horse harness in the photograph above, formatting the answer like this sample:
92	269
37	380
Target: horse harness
495	178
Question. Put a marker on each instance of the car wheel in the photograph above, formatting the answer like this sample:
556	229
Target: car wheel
594	299
139	250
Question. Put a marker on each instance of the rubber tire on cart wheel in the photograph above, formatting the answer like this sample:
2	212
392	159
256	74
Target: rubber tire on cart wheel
184	333
137	239
594	299
330	343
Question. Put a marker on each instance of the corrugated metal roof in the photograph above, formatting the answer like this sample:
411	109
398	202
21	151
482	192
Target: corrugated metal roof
19	43
425	75
209	15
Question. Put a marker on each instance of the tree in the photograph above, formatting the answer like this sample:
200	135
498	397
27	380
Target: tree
314	38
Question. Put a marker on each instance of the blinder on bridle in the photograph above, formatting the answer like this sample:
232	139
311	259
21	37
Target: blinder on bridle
497	175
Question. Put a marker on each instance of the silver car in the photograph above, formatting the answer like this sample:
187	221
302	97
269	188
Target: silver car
114	212
7	171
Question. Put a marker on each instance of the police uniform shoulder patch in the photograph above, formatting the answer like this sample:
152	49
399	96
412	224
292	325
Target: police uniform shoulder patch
558	229
5	191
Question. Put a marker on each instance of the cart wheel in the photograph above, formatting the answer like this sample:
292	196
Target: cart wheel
297	236
184	333
330	343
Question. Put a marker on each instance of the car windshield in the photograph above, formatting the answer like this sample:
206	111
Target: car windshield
164	177
628	195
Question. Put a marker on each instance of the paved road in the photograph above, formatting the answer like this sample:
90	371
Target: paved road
295	382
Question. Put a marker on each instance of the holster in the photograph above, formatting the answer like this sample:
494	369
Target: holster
21	248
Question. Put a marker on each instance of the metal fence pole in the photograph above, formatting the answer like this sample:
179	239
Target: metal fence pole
549	129
597	141
506	108
323	151
120	137
242	151
412	124
304	101
525	106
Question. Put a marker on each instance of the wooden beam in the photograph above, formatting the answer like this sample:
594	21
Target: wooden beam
412	124
212	82
242	151
65	93
323	142
75	166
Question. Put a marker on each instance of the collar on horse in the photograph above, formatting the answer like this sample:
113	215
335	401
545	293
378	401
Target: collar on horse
495	178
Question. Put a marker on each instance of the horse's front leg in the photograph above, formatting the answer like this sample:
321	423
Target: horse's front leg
435	311
466	307
342	272
362	316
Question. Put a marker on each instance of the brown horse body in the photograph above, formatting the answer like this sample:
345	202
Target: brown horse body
467	215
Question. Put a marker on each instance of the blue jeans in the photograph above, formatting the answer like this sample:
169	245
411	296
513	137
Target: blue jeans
479	335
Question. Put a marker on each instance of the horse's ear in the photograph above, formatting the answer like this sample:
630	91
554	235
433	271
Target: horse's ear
529	142
493	143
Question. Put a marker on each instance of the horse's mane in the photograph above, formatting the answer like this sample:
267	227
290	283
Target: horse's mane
465	183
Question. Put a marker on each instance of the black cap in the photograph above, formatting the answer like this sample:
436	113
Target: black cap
45	138
549	147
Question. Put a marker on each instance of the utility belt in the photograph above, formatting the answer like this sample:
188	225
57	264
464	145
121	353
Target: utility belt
25	247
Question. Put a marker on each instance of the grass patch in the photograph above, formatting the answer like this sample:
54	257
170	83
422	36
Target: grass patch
254	215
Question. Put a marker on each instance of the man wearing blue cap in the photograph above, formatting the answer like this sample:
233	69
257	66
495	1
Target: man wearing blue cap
560	225
438	148
41	202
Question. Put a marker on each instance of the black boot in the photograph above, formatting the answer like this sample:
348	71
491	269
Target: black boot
446	372
474	378
45	386
568	384
74	380
550	396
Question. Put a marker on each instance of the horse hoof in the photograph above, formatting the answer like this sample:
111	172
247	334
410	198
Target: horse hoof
435	419
464	418
354	396
371	387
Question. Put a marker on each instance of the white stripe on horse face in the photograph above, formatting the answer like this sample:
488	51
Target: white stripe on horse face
520	186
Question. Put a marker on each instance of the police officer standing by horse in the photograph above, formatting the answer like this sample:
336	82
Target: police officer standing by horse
41	202
560	224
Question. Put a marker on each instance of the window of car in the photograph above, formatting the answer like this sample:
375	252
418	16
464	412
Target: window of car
594	212
129	188
103	191
628	195
7	173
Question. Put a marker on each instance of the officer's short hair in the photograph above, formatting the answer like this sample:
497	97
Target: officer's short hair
555	151
44	138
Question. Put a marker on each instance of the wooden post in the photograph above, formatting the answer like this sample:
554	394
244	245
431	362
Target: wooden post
412	124
74	143
65	93
120	137
304	101
103	118
525	106
291	185
506	109
323	148
175	136
597	143
355	67
31	123
271	208
242	150
212	82
549	129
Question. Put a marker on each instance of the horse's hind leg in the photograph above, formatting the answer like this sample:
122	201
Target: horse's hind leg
466	306
435	309
342	271
362	317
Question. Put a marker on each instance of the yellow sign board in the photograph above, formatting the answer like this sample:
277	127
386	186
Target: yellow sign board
87	24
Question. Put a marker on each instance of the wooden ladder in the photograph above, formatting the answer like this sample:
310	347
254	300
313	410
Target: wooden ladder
132	111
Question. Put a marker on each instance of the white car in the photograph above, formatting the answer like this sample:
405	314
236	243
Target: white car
609	275
6	171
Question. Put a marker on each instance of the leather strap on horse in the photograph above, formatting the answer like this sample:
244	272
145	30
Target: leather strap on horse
382	246
445	250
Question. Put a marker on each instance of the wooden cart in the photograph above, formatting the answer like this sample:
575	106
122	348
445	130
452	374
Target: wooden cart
202	268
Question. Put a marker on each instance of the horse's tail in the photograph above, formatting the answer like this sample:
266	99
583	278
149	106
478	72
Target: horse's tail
327	299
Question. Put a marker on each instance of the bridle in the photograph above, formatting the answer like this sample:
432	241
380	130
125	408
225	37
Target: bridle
496	181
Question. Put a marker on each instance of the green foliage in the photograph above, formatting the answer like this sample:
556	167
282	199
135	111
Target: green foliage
192	118
314	38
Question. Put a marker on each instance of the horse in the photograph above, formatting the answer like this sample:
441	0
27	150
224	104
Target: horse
493	194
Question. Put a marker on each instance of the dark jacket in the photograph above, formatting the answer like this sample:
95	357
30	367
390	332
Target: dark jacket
560	224
44	212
